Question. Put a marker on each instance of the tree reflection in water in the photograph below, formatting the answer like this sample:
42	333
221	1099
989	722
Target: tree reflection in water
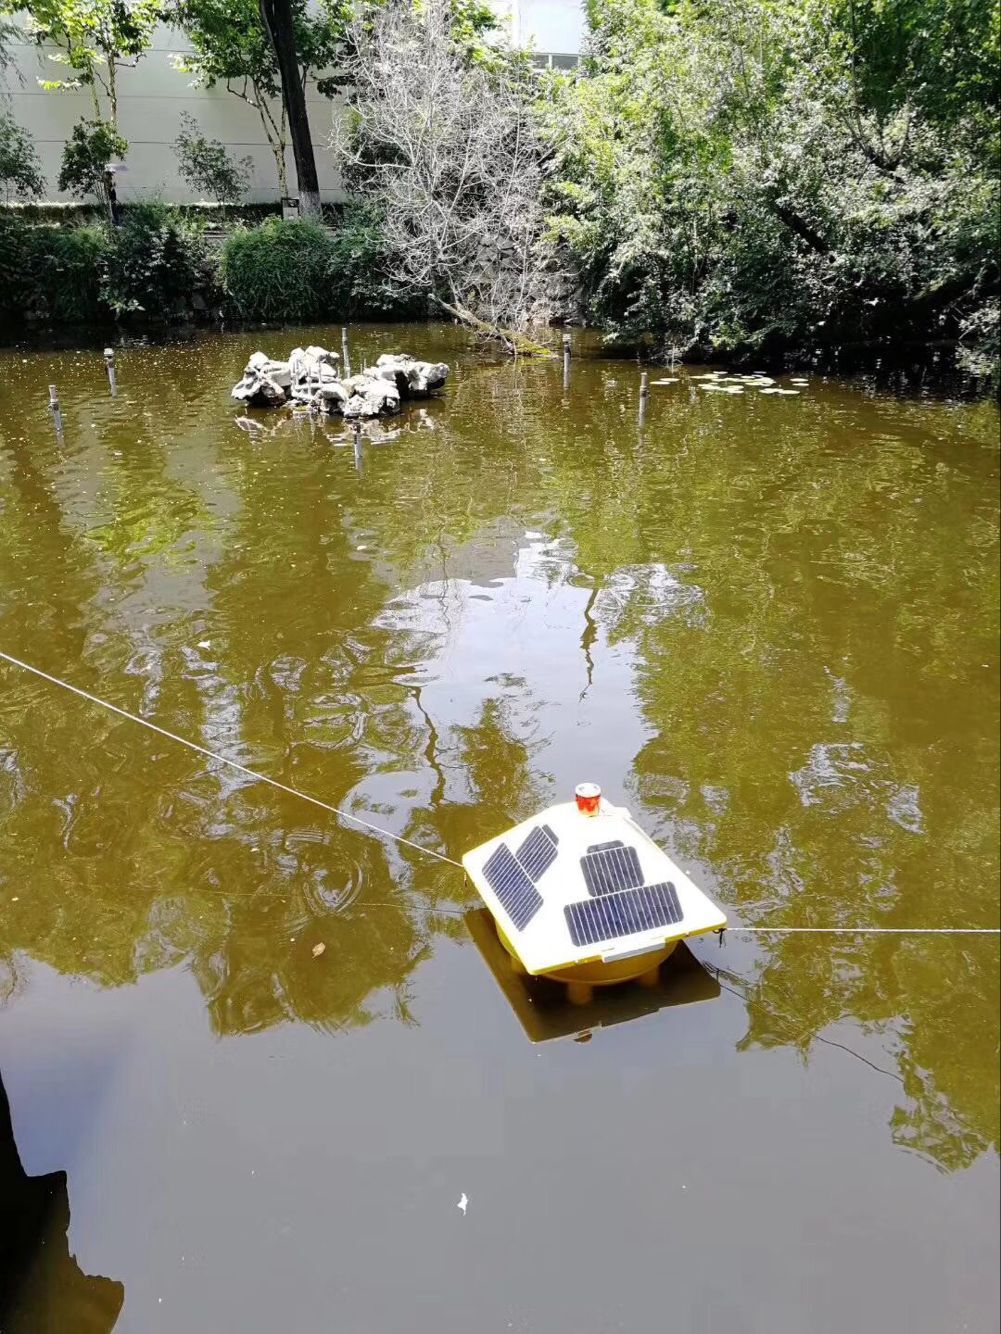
799	597
42	1288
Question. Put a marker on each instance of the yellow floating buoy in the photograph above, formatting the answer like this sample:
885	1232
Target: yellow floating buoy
580	894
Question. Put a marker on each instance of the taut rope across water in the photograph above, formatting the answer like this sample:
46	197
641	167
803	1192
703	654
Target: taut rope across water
213	755
450	861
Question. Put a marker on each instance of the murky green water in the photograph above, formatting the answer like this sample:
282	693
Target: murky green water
768	624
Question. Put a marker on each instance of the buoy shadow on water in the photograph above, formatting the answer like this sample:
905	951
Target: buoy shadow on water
544	1011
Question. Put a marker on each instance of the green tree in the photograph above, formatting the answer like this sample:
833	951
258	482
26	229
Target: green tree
207	165
89	149
20	170
762	176
232	45
95	39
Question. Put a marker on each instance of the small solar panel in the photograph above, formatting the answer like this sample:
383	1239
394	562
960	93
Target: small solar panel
538	852
518	896
609	867
615	915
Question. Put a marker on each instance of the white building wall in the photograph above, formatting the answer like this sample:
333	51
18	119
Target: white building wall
152	97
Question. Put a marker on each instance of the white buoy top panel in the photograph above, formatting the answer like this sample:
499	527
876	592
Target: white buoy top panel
570	887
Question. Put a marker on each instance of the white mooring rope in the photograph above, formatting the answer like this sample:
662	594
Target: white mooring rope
428	852
868	930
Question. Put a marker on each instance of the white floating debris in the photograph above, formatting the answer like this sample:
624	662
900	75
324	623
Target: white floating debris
318	949
463	1203
665	381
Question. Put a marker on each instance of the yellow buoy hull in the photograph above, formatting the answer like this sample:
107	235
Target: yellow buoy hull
581	978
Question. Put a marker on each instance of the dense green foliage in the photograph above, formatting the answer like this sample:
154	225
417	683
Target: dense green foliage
50	273
362	268
151	266
20	170
759	176
278	271
157	265
302	271
154	261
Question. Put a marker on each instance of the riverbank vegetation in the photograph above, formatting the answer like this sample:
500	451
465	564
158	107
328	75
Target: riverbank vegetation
748	179
756	176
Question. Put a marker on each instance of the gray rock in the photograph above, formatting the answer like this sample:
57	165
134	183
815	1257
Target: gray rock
312	365
310	378
279	371
370	396
265	383
414	379
332	396
321	355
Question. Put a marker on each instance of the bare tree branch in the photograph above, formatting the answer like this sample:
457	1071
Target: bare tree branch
448	150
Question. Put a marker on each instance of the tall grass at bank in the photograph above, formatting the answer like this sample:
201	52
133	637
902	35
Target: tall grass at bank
278	271
298	270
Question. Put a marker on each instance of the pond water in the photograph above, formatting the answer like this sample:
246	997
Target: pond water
767	624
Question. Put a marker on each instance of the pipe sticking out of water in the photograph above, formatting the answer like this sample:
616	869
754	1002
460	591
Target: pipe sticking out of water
57	415
109	361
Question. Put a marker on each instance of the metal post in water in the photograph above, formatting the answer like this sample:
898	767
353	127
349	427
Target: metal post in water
109	361
644	395
57	416
566	361
345	355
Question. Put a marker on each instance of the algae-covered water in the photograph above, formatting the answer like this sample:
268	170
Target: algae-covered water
767	624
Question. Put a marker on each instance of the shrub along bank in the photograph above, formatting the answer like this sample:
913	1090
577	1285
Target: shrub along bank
159	266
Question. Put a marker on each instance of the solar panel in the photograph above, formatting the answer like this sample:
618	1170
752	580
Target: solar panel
518	896
538	852
609	867
615	915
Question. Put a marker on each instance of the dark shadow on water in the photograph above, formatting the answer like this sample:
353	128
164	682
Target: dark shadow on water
42	1288
544	1012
